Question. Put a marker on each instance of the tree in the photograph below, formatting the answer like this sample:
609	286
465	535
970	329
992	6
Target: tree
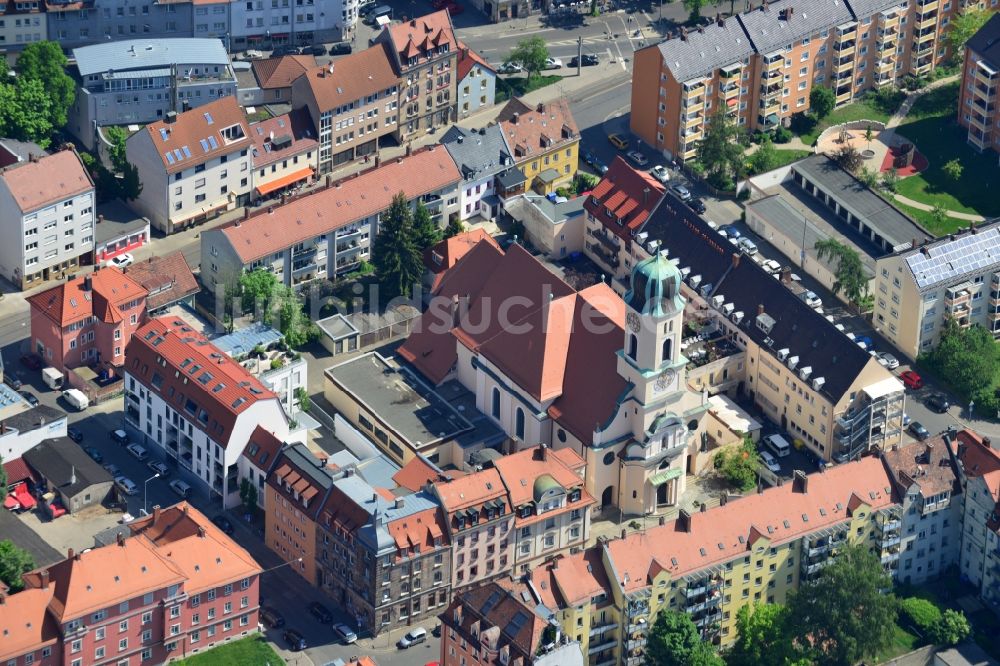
116	136
531	54
739	464
248	494
395	255
293	323
951	629
890	180
821	101
694	9
130	187
844	615
3	481
302	395
765	158
849	275
258	287
868	177
721	152
761	637
25	112
921	613
962	27
952	169
13	562
869	136
454	228
425	231
674	641
848	158
45	62
968	359
939	214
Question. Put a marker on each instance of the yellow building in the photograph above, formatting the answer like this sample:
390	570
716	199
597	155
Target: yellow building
544	141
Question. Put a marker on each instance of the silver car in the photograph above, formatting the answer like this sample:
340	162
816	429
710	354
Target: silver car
126	485
891	361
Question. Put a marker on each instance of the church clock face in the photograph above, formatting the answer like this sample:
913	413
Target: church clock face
665	379
632	320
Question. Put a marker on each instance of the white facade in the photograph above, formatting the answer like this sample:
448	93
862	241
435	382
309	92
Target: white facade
477	91
470	197
562	527
269	23
284	381
931	535
14	442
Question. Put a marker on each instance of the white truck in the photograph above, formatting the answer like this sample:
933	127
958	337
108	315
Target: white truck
52	378
76	398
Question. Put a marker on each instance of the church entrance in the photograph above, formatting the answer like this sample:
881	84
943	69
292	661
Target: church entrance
606	497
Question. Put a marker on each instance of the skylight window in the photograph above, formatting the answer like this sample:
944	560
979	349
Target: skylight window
187	151
212	142
208	118
169	156
177	155
164	134
204	145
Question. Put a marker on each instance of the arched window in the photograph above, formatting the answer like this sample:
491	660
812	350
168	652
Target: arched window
496	403
667	348
519	423
633	346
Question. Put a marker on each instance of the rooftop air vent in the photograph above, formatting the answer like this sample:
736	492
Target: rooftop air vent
805	372
792	362
783	354
818	383
737	317
728	309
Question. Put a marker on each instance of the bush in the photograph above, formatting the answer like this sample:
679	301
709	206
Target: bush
782	135
743	196
888	99
721	181
922	614
803	123
951	629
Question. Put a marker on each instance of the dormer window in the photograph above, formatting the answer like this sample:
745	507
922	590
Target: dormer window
574	495
412	61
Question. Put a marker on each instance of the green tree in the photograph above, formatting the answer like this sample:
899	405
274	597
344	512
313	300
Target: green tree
962	27
25	112
953	628
952	169
248	494
739	465
868	177
869	136
45	62
721	153
3	481
674	641
397	260
13	562
849	275
293	322
258	286
761	637
425	232
939	214
890	180
848	158
921	613
129	187
694	9
968	359
530	53
454	228
844	615
764	158
302	395
116	136
821	101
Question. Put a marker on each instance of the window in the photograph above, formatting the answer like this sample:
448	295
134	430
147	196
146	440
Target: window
496	403
519	423
633	346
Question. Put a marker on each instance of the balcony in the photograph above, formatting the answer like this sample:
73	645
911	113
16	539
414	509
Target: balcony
890	525
979	122
922	40
601	647
845	49
692	120
708	618
605	239
890	20
693	106
731	91
819	549
889	542
604	256
983	75
956	298
885	65
843	65
603	628
773	64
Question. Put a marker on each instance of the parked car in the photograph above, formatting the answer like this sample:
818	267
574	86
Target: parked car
747	246
918	430
911	380
30	397
618	141
181	488
224	524
683	193
697	205
112	469
891	361
811	299
285	50
320	612
345	634
295	641
340	48
120	261
637	157
731	232
938	403
509	68
74	434
412	637
552	63
138	452
597	164
32	361
271	617
94	454
126	485
771	266
314	50
253	55
158	467
770	462
119	437
12	380
660	173
589	60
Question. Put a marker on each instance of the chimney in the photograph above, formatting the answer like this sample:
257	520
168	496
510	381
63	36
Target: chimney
925	251
786	275
645	196
541	107
100	218
704	507
87	283
70	554
156	512
663	521
246	213
800	482
44	575
171	117
185	508
378	161
202	533
120	538
987	442
723	499
409	149
684	34
624	533
399	502
760	309
33	158
514	117
329	179
929	450
736	259
684	521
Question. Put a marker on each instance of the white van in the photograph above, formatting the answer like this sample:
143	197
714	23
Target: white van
778	444
52	378
412	637
77	398
181	488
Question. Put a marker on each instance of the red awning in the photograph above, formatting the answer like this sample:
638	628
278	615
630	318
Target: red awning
255	38
280	35
17	471
285	181
731	102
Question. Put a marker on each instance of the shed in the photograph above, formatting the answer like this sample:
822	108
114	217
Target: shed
63	468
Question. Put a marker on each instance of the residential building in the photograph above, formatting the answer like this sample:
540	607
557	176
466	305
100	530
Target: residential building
75	24
119	230
928	526
285	154
262	352
617	208
424	52
21	23
32	636
23	429
613	389
274	78
88	320
384	557
193	165
267	25
177	585
212	20
761	65
552	225
353	102
481	155
261	453
977	102
544	141
441	257
954	278
47	211
506	10
194	405
140	81
328	232
545	489
167	279
979	562
65	470
477	82
502	623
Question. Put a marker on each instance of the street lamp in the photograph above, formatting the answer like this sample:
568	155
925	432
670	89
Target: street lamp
155	476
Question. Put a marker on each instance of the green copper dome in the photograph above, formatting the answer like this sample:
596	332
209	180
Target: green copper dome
544	484
655	287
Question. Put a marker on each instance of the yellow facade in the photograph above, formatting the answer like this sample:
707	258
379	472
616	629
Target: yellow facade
564	160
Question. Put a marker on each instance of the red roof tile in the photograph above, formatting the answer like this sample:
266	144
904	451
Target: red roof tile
262	449
46	180
470	490
295	125
468	58
354	77
414	37
446	253
417	473
73	301
193	127
623	192
167	279
26	623
419	530
530	127
280	72
17	470
925	464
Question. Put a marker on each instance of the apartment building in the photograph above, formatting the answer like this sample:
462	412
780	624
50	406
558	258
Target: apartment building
21	23
545	489
544	140
175	584
266	25
424	52
760	66
980	478
328	232
977	102
262	352
477	82
481	155
167	279
193	165
88	320
75	24
285	154
47	212
274	78
954	278
196	406
140	81
212	19
353	102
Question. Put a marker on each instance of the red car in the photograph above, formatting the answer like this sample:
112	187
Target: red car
911	380
32	361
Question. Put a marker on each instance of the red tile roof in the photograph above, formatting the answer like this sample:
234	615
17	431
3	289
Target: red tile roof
446	253
502	600
468	58
262	449
72	301
295	125
623	192
192	127
572	580
354	77
349	200
470	490
48	179
419	37
725	532
167	279
520	470
297	483
419	530
280	72
26	624
17	470
532	131
925	464
183	367
417	473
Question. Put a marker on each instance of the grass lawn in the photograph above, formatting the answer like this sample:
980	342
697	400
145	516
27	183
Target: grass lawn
860	110
519	85
253	650
902	642
789	155
924	217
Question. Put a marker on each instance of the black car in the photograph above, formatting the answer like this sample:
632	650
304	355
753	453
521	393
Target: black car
697	205
320	612
224	524
938	403
918	430
316	50
94	454
296	643
30	397
341	48
589	60
32	361
11	380
285	50
74	434
271	617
